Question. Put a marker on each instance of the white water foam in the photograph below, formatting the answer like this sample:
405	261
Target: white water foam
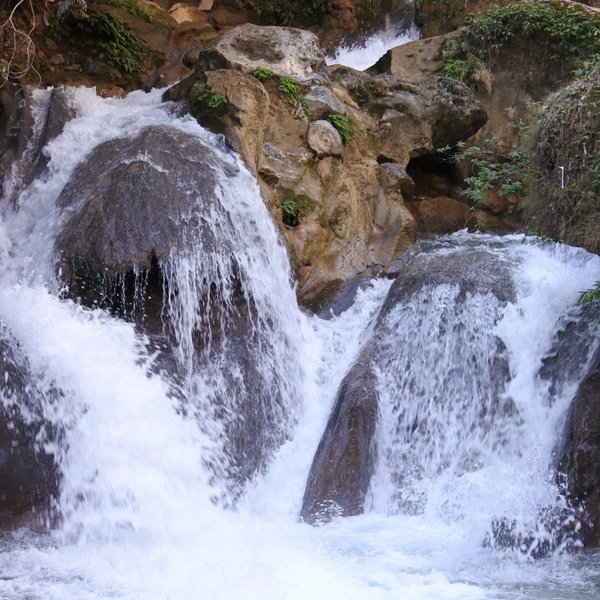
364	55
138	521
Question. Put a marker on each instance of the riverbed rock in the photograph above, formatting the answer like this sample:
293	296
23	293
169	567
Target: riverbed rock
29	476
343	465
579	465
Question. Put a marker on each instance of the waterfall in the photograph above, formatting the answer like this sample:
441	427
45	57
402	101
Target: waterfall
161	495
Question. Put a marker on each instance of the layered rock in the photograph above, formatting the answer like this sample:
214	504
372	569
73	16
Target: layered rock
348	202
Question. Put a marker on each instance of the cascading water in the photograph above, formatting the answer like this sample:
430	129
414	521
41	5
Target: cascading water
137	461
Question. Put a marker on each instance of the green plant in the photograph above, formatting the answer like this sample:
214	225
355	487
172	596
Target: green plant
566	157
294	207
262	73
463	69
290	89
343	124
202	98
591	295
133	7
561	31
122	47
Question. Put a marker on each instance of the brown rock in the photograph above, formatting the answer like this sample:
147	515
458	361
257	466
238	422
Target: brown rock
440	215
324	139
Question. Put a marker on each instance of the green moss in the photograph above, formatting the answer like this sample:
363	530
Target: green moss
565	201
134	8
294	207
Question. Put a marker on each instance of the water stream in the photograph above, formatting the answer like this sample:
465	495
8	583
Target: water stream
138	518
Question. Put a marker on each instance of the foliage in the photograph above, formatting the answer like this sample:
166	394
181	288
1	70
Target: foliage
121	45
294	207
262	73
591	295
343	124
566	154
203	98
562	31
290	89
462	69
133	7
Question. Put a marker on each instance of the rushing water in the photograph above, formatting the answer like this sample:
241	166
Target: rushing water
365	54
137	516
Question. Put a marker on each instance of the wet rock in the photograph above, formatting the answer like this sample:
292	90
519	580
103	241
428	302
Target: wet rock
343	464
579	464
29	479
123	205
324	139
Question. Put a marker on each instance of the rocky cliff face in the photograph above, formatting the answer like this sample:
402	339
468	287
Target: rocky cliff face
330	147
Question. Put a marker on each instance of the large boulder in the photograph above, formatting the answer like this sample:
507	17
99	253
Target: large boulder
152	229
384	381
131	200
284	50
29	478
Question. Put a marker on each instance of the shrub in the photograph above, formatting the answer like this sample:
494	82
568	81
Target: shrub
565	202
564	32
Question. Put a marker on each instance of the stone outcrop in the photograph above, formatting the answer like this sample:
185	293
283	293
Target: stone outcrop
29	479
579	465
343	465
283	50
349	198
123	207
137	213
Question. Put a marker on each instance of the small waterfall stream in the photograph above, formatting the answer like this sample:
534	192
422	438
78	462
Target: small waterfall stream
140	511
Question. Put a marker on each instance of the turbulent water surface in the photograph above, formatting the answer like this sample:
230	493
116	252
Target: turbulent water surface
138	520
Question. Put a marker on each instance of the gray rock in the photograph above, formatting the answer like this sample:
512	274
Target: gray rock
324	139
284	50
322	101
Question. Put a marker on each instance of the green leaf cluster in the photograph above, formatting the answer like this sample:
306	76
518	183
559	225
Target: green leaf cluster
291	13
294	207
290	89
202	98
562	31
121	45
591	295
343	124
262	73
